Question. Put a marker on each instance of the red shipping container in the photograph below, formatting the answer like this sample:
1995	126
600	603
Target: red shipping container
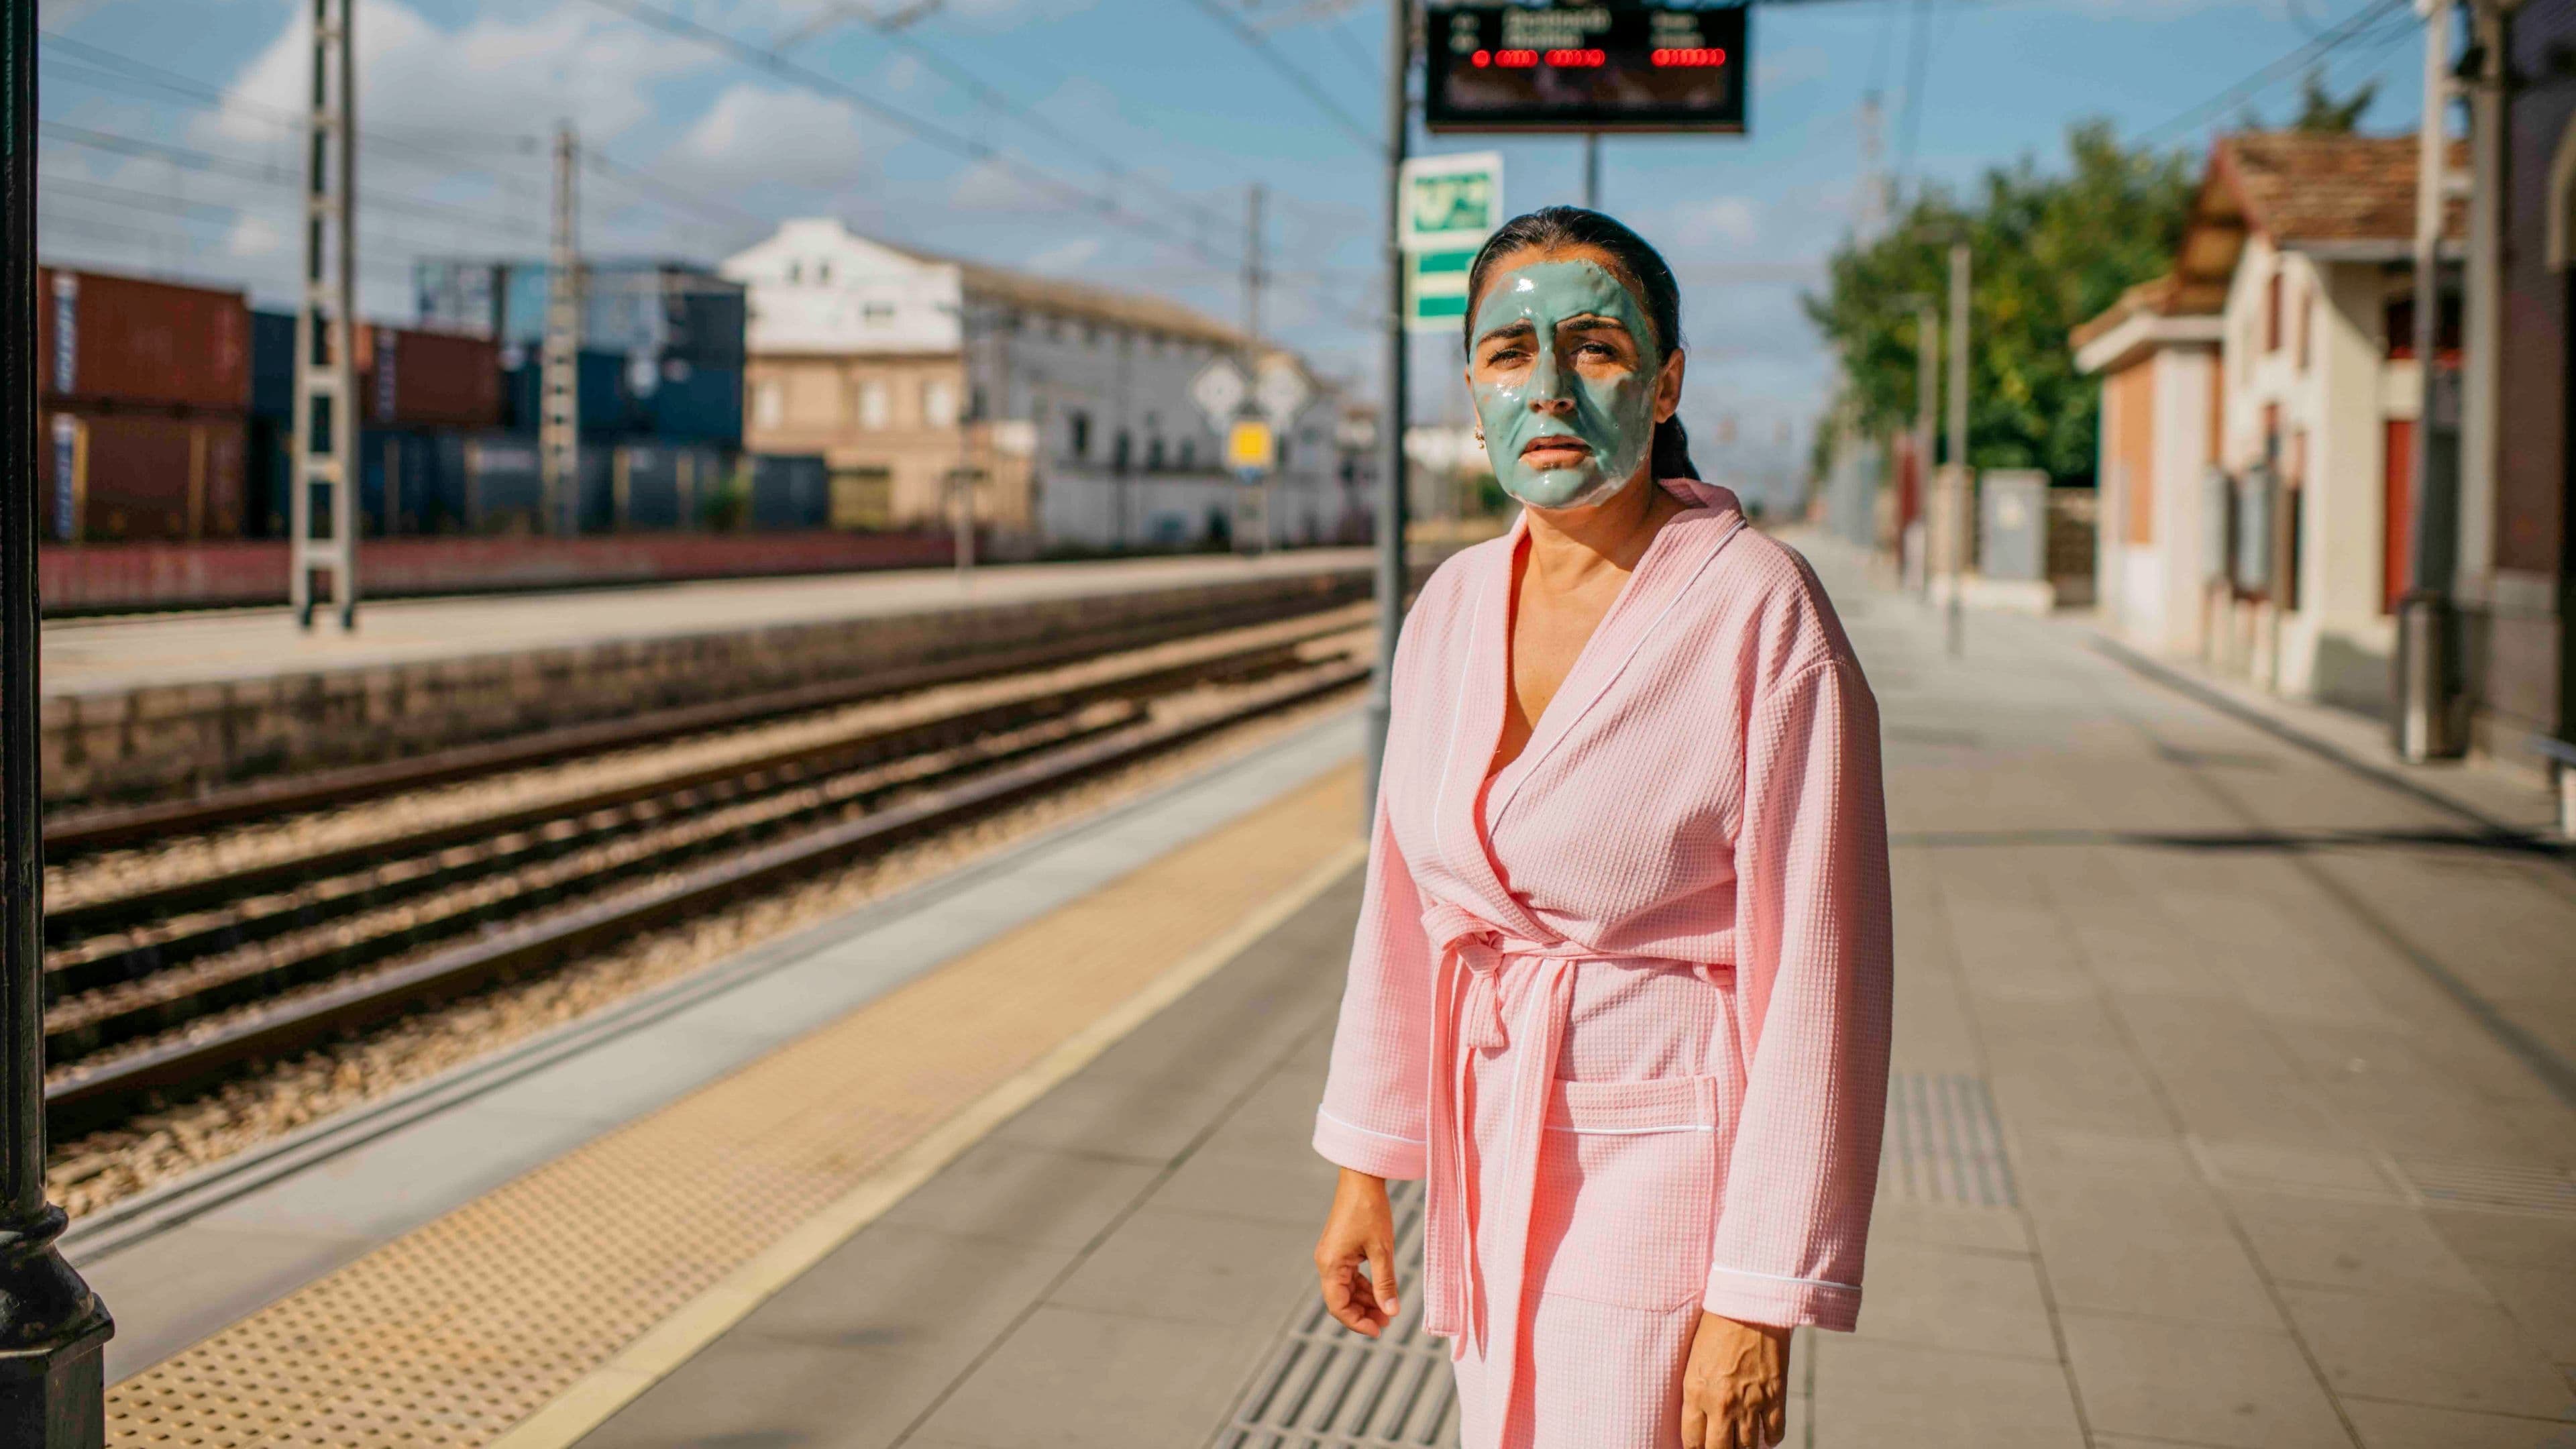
412	378
111	477
123	341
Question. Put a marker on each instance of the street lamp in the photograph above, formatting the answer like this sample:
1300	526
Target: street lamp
51	1326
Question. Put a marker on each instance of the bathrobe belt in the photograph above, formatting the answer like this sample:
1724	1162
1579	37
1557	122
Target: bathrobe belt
1467	1016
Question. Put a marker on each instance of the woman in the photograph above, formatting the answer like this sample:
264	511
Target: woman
1621	981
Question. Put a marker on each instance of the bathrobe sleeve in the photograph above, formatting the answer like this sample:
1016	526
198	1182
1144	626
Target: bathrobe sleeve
1375	1098
1813	925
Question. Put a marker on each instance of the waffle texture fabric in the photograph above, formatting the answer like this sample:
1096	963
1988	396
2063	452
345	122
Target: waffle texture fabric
1625	1002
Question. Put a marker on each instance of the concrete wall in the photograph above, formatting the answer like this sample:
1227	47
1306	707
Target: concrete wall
163	741
97	578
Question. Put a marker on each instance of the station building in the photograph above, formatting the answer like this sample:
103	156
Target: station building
1067	404
2258	411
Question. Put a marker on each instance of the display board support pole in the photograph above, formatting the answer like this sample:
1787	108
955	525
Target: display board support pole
1592	170
1391	578
51	1326
326	337
1958	498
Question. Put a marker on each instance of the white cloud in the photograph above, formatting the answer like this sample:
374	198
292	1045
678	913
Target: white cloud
1066	256
1736	220
253	235
753	135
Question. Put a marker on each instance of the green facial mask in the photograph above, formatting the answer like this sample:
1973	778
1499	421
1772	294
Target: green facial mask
1613	414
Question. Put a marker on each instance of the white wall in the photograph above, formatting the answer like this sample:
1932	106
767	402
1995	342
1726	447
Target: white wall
818	288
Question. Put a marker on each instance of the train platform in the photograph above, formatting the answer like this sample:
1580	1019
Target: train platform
141	709
2234	1104
87	656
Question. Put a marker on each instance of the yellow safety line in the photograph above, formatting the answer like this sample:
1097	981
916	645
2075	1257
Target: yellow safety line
670	1343
531	1313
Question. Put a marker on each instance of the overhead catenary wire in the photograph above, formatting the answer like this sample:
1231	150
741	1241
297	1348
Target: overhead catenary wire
2296	61
786	68
1271	56
265	173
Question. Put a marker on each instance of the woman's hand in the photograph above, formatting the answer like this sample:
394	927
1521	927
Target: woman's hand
1735	1390
1360	1229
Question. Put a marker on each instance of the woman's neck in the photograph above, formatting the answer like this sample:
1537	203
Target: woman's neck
1569	547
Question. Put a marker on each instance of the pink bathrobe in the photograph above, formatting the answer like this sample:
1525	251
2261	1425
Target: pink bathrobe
1625	1003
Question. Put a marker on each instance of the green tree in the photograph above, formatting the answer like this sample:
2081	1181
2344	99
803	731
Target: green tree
2320	112
2046	251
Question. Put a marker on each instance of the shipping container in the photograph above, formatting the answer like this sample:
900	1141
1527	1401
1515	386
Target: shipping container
607	400
412	482
790	491
412	378
272	365
266	454
660	310
505	484
106	341
692	404
114	476
655	487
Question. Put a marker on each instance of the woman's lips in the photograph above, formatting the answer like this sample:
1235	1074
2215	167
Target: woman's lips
1556	451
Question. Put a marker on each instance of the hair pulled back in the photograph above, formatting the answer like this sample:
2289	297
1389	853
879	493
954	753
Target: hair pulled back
1639	266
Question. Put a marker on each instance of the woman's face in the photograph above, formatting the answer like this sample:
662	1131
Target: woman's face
1566	380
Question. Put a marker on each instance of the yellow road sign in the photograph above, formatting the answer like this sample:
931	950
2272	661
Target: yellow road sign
1249	444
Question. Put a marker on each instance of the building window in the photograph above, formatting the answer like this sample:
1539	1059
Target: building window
938	403
862	497
2272	313
1153	455
876	404
2307	326
768	404
1077	434
795	273
823	273
879	314
1189	453
1121	451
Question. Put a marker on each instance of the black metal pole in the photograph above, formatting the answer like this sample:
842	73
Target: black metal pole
51	1325
1391	577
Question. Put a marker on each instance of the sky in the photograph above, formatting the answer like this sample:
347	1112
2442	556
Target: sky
1109	140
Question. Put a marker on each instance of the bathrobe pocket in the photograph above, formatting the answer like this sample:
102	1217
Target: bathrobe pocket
1628	1191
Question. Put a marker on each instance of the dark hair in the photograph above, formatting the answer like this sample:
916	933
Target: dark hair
1638	265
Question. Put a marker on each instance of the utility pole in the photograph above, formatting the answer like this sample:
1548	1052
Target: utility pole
51	1326
2425	663
1927	401
559	372
1391	573
326	357
1255	532
1592	170
1956	503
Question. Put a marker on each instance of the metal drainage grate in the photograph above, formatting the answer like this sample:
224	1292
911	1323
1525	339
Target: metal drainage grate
2493	1187
1943	1143
1325	1387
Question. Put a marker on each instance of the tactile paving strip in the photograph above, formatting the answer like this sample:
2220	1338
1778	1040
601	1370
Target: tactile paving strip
455	1332
1325	1387
1944	1143
2492	1187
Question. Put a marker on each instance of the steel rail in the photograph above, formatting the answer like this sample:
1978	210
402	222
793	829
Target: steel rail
83	1096
73	833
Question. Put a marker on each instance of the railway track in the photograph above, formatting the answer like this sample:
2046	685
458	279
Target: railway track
165	989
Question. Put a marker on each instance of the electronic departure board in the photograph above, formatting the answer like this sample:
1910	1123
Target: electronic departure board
1611	65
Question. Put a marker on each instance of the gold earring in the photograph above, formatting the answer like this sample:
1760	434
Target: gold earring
1480	432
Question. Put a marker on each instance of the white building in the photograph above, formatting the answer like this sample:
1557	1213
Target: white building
1067	403
2258	408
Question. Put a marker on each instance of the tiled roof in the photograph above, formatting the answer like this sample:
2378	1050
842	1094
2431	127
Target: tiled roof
2300	187
2165	296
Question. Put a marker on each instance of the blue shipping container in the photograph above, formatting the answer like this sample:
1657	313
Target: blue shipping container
607	401
691	404
411	482
272	365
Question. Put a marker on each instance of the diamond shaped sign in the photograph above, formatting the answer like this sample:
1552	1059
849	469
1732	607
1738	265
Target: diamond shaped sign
1219	392
1282	391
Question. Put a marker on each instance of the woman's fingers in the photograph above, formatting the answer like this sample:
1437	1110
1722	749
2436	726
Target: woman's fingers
1381	1259
1694	1423
1775	1424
